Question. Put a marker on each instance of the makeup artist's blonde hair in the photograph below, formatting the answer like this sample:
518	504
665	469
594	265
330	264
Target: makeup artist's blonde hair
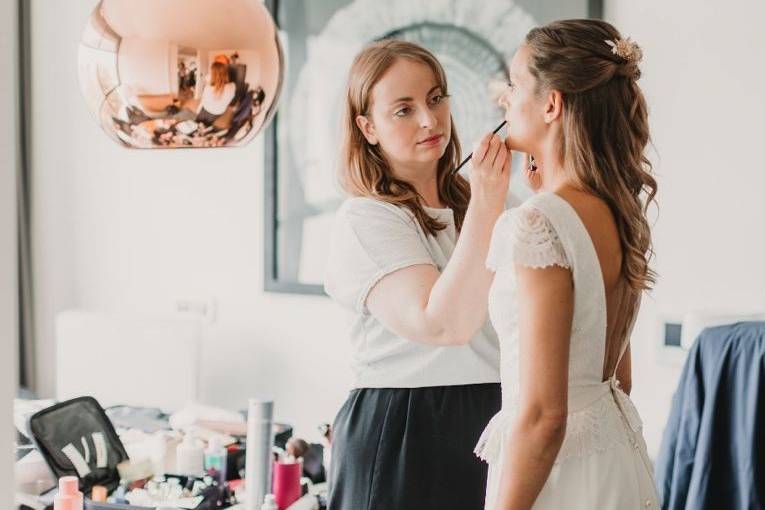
364	170
218	76
605	127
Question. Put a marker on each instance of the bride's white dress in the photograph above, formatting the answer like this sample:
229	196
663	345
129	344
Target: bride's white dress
603	462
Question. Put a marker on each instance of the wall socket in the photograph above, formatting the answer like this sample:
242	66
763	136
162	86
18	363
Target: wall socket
673	334
206	309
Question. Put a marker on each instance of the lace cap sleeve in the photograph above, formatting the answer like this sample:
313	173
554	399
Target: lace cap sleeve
525	236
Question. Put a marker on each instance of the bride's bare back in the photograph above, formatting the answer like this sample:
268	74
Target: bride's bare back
621	301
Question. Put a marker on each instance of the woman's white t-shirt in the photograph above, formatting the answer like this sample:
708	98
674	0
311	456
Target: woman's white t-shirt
372	239
216	103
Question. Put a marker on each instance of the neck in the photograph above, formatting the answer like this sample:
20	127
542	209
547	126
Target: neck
554	176
424	178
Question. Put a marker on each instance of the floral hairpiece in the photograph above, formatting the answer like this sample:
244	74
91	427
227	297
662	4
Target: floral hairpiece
627	49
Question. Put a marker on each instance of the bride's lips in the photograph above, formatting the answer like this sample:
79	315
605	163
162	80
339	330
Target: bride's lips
429	142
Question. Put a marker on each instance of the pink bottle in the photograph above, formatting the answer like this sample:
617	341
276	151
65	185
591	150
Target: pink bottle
286	482
69	487
63	502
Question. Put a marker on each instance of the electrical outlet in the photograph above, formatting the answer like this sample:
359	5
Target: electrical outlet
206	309
672	334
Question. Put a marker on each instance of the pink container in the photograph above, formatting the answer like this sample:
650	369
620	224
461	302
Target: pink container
63	503
286	484
70	486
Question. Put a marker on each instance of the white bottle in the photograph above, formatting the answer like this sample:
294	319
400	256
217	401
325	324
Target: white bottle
216	457
269	503
190	457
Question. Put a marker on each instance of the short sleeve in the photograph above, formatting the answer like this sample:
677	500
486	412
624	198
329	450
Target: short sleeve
370	240
526	237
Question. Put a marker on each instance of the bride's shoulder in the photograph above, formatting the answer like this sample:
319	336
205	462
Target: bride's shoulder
525	235
530	217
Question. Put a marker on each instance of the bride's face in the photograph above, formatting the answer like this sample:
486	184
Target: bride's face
524	107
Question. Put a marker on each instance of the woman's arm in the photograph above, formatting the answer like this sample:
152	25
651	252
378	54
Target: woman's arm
546	300
421	304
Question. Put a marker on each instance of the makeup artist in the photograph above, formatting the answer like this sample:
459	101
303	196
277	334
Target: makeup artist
407	259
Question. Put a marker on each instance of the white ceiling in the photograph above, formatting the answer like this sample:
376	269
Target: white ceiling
201	24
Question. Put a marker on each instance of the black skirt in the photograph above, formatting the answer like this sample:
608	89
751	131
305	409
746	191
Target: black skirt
411	448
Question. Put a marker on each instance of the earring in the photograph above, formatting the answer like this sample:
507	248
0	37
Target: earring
532	163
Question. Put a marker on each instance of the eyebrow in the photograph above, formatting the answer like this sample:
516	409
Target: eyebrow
402	99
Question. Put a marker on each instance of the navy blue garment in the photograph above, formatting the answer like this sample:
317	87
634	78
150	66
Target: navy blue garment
713	451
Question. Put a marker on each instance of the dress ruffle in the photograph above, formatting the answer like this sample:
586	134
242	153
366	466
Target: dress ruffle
598	427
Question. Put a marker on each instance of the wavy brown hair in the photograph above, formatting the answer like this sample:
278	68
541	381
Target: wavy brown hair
364	170
218	76
604	128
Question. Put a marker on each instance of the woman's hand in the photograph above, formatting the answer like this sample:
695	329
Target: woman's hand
490	176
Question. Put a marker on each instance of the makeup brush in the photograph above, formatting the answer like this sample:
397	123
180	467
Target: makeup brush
471	154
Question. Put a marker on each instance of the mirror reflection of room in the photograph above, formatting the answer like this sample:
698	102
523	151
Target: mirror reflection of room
186	76
221	110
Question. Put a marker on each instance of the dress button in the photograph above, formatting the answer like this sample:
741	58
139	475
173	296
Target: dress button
648	503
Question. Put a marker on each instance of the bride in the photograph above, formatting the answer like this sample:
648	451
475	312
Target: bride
570	266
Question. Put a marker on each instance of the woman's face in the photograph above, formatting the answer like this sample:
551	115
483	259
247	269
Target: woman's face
524	108
409	115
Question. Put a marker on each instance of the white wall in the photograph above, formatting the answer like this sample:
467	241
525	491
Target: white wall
8	310
704	89
131	231
148	66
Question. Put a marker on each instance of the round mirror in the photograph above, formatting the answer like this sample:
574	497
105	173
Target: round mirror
181	73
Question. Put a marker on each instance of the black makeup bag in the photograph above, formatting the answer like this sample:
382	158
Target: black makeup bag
76	438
